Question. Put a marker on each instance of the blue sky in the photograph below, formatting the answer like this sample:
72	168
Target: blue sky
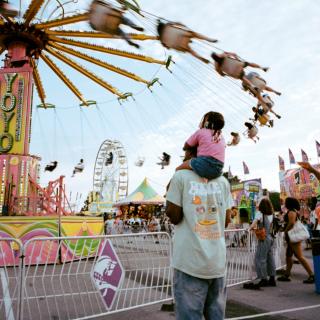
280	34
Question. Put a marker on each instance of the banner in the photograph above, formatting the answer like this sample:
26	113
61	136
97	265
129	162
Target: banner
281	164
318	148
245	168
291	157
304	156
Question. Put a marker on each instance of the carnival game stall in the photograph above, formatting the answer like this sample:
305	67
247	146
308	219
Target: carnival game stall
144	202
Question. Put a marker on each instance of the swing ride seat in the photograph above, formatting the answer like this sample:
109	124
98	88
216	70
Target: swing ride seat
105	18
174	36
78	168
232	67
8	10
258	84
263	119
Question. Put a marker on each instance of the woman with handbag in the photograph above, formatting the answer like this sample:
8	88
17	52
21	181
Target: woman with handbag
264	260
294	235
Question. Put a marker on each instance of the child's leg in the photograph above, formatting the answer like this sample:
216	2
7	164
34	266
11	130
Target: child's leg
206	167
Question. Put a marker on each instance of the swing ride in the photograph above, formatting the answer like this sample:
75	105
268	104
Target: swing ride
29	40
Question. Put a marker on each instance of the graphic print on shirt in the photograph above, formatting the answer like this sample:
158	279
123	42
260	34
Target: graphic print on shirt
207	202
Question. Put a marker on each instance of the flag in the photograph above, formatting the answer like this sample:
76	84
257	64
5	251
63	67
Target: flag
291	157
318	148
304	156
245	168
281	164
229	173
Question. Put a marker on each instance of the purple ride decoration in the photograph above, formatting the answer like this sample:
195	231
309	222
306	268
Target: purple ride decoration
107	274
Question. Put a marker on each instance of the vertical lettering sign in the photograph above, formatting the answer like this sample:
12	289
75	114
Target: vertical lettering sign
15	106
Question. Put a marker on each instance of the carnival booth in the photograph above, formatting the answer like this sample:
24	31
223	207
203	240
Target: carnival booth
144	201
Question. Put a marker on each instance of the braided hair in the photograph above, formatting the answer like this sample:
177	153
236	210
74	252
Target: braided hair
214	121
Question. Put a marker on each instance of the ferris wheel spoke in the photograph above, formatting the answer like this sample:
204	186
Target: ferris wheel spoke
98	62
62	21
84	71
63	77
126	54
32	10
38	82
100	35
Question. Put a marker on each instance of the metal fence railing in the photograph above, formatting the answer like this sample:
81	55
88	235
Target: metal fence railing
241	248
52	278
65	290
10	278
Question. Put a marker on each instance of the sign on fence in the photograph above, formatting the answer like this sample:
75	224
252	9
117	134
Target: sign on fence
107	274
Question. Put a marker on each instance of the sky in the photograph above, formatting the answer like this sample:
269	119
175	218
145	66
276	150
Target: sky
282	35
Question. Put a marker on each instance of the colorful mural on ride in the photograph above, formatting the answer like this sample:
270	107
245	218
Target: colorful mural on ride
299	183
27	228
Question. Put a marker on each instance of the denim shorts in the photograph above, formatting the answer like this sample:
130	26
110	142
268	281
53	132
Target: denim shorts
206	167
195	297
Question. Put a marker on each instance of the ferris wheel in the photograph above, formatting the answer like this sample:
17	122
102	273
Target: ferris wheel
110	177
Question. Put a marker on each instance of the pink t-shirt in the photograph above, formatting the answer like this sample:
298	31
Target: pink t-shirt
206	145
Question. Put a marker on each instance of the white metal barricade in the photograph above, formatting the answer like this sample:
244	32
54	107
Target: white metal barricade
239	256
63	289
241	247
10	278
55	273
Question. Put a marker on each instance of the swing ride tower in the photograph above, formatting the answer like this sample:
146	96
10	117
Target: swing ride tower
17	167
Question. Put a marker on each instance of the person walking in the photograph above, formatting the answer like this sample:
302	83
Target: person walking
198	209
264	260
290	218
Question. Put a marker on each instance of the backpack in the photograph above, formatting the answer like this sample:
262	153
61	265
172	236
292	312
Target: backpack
276	226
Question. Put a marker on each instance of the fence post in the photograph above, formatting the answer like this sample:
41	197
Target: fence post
21	283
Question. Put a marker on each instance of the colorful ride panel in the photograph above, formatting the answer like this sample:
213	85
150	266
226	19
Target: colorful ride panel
26	228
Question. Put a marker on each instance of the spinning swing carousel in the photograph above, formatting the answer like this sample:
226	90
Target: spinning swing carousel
27	41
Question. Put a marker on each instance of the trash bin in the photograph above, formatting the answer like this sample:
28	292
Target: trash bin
315	242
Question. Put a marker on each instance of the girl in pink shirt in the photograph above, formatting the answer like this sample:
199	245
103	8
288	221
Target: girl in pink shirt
210	146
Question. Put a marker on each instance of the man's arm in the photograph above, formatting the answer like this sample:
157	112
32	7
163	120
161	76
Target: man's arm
307	166
228	217
174	212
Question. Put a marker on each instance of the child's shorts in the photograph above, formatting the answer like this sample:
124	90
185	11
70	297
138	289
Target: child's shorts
206	167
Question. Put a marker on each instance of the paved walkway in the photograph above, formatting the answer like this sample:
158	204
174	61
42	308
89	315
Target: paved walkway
243	303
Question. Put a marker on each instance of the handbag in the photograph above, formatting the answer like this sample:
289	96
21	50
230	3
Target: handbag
298	233
260	232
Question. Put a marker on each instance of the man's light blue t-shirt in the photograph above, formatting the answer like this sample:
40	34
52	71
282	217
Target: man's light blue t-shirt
198	245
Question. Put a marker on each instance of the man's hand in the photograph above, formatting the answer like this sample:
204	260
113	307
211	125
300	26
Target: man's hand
307	166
